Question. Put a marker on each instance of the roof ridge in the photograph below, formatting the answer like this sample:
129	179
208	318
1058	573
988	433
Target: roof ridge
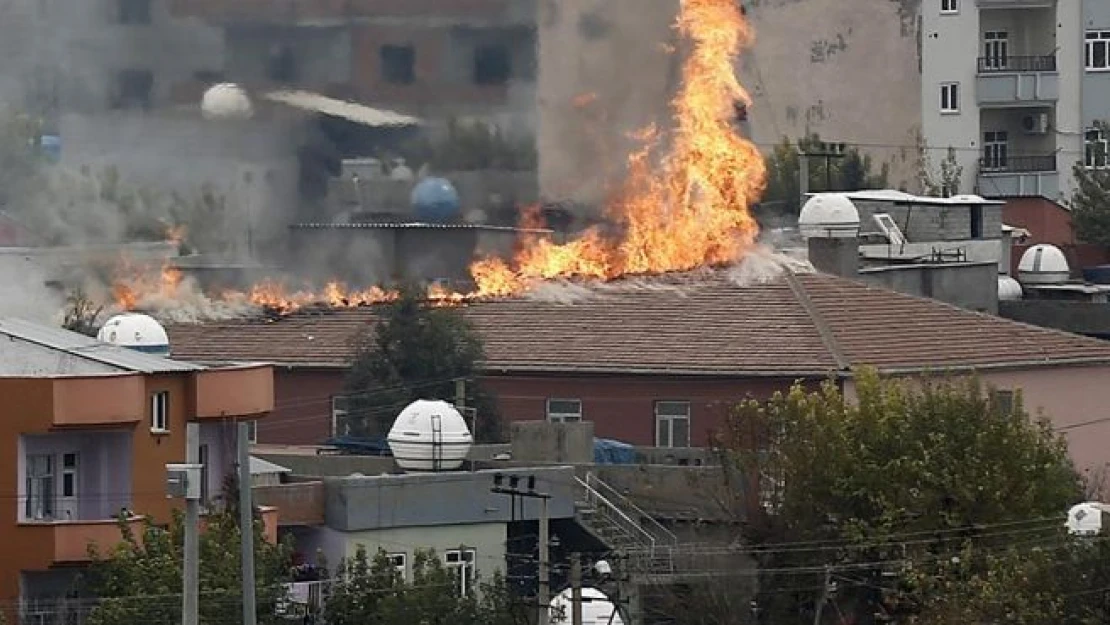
828	338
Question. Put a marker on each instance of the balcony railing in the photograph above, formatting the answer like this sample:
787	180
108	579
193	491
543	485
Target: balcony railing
71	540
1018	164
997	65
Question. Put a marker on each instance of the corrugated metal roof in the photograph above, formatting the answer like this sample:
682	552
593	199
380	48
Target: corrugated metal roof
414	225
358	113
82	346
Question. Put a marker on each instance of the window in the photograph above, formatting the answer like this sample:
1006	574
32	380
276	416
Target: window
398	64
672	424
995	150
1096	149
134	11
252	431
203	461
1003	401
133	88
398	562
949	6
69	475
564	410
463	560
1097	55
950	97
40	487
492	65
996	50
160	412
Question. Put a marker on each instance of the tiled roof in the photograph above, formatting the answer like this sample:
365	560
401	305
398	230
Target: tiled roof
703	323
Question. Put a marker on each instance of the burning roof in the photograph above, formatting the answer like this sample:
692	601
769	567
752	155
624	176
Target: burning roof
738	321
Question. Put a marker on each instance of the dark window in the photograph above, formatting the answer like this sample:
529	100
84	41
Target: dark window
1003	401
134	11
133	88
398	64
282	65
492	65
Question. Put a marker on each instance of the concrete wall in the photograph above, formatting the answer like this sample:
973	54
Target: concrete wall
1092	319
973	286
488	540
825	66
922	224
392	501
540	441
321	55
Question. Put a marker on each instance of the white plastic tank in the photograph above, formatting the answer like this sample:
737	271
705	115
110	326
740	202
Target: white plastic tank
1009	290
597	609
226	101
139	332
1088	518
430	435
829	216
1043	264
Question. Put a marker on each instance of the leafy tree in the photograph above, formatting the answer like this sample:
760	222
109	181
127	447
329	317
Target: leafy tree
852	172
886	489
373	592
951	173
1090	202
416	350
139	580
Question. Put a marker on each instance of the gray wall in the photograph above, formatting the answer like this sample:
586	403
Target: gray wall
1070	316
973	286
322	55
921	224
369	503
846	69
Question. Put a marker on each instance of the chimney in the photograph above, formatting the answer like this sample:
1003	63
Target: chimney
830	223
837	256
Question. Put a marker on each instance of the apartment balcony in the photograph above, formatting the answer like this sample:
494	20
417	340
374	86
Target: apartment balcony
1015	4
69	542
1018	176
1017	81
78	402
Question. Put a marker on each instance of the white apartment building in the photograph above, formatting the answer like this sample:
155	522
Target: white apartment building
1016	88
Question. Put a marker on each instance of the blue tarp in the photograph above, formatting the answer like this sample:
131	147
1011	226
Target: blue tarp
609	451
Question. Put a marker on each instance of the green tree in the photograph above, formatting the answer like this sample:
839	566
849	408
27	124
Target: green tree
139	580
945	182
885	489
373	592
852	172
1090	202
416	350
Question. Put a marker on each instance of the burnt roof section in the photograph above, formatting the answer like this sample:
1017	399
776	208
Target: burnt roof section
703	323
415	225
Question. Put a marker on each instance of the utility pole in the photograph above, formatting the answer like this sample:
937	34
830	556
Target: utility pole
820	611
246	523
576	588
183	481
530	492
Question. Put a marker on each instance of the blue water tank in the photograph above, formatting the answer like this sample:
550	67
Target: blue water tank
435	199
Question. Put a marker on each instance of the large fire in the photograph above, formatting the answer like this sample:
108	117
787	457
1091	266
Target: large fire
685	208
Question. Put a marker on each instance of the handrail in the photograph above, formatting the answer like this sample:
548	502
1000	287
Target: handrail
635	528
666	534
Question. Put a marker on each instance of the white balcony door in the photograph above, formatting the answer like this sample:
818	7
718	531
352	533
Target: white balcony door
69	496
996	49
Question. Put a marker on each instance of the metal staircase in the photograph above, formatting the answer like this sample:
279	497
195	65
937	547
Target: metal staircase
625	528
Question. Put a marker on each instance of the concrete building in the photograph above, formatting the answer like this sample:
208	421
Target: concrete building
1016	88
847	70
470	60
87	430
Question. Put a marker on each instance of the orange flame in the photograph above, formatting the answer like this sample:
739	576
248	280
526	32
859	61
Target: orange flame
694	209
689	211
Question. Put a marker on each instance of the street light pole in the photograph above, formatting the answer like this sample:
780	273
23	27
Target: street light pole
246	523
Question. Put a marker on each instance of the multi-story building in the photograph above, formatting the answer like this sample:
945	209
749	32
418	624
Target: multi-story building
87	430
473	59
1017	88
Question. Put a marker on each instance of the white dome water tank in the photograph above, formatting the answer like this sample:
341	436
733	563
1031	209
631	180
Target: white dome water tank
226	101
1009	290
1087	519
1043	264
135	331
597	609
829	216
430	436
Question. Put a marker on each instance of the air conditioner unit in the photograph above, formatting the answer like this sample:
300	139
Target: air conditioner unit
1036	124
